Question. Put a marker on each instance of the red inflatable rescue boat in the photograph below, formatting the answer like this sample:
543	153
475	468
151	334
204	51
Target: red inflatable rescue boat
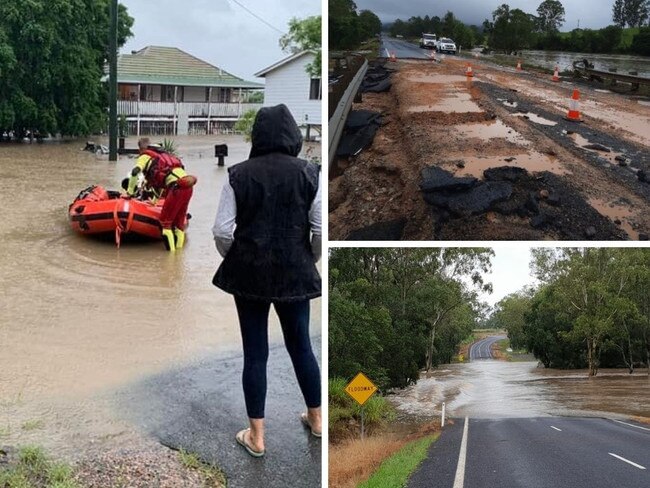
99	211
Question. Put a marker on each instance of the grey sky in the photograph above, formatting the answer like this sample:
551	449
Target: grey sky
510	272
217	31
592	14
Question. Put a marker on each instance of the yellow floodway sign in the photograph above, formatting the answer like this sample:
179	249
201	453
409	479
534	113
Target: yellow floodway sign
361	388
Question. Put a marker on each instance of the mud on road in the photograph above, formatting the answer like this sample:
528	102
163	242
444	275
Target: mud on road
575	181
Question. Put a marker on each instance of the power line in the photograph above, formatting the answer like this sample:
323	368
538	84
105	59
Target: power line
258	17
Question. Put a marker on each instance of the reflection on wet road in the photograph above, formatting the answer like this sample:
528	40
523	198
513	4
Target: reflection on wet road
401	49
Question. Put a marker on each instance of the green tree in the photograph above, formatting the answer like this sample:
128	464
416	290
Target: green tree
510	30
633	13
245	124
550	16
52	58
641	42
590	284
510	314
411	306
343	24
369	24
305	35
618	13
636	12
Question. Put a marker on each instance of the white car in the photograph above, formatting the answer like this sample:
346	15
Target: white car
428	41
446	45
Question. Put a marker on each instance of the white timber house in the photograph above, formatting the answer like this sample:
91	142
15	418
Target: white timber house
288	82
164	90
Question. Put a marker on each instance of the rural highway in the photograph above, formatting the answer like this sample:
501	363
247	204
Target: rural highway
544	452
483	349
402	49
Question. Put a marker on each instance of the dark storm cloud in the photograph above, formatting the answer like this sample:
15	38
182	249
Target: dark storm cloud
218	31
591	13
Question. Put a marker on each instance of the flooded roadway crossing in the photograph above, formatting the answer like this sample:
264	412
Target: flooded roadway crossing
81	319
501	389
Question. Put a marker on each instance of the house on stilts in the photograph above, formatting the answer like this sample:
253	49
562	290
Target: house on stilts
166	91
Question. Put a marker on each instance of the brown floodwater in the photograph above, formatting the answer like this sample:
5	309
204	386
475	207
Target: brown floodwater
532	161
81	318
499	389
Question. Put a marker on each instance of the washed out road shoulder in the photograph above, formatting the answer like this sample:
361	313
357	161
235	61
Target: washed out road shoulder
592	199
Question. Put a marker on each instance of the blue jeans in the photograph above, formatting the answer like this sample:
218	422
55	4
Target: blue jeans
294	319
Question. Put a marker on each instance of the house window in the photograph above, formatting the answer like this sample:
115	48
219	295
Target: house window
315	92
168	93
146	93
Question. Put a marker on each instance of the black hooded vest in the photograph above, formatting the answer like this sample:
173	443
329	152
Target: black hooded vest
271	258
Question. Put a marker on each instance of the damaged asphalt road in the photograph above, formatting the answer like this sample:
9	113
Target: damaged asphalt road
200	408
576	181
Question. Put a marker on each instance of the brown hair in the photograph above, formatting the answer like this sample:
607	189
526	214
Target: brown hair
143	143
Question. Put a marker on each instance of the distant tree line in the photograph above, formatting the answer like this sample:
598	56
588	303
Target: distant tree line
510	30
591	309
348	28
393	312
52	58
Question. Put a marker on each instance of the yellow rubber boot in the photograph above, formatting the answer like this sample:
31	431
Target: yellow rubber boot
180	238
168	239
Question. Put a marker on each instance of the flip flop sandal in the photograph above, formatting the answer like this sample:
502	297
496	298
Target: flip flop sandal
305	421
242	442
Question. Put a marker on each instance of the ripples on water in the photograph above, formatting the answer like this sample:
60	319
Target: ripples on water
492	389
80	317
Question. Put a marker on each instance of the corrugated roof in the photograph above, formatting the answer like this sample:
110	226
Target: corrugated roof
172	66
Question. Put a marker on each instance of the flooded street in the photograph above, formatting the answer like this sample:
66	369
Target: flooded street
604	62
80	318
500	389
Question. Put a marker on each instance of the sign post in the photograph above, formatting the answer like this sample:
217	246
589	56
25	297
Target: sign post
361	389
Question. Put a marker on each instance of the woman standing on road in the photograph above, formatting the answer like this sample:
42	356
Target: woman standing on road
269	207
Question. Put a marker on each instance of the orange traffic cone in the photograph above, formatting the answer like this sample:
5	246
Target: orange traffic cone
556	74
433	56
518	65
468	72
574	107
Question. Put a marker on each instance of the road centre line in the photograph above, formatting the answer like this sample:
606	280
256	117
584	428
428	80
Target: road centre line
553	427
459	480
622	459
631	425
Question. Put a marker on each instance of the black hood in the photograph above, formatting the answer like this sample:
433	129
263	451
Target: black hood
275	131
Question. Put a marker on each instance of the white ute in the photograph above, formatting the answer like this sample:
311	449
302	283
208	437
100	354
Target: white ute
428	41
446	45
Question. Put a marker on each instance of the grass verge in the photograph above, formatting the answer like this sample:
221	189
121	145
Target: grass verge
34	469
345	414
396	470
212	476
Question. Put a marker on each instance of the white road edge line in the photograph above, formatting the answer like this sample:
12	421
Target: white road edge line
631	425
622	459
459	480
553	427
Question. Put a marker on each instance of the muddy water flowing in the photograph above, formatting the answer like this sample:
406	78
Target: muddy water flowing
493	389
80	318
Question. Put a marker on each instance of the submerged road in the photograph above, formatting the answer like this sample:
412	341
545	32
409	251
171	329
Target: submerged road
538	453
483	349
401	49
